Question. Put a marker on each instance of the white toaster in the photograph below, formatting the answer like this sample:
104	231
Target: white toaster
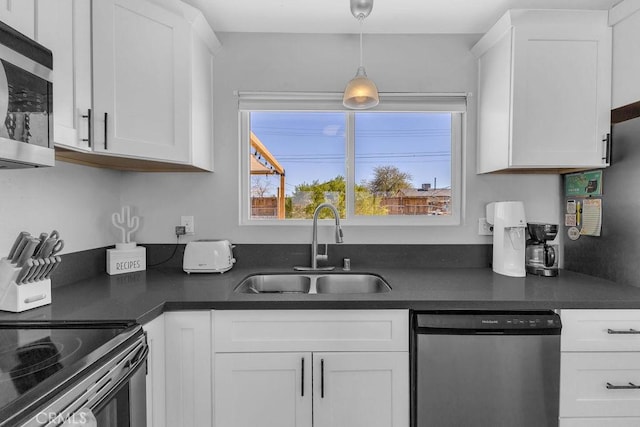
208	256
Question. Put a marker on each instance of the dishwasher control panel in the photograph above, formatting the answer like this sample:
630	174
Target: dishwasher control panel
488	321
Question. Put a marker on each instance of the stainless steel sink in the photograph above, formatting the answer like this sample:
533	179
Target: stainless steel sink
275	284
309	283
351	284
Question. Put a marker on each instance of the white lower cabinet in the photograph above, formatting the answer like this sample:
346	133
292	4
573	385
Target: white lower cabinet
188	368
259	389
156	372
600	368
281	368
286	368
179	370
365	389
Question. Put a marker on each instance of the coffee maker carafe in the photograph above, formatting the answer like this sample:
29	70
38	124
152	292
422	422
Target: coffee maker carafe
541	258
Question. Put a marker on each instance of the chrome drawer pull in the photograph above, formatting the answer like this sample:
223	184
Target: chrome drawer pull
631	386
623	332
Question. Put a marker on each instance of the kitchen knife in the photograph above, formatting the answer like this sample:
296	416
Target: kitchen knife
46	248
53	267
32	272
47	269
24	272
12	252
19	248
42	238
43	270
27	252
50	247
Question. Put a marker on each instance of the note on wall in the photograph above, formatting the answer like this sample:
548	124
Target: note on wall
583	184
591	217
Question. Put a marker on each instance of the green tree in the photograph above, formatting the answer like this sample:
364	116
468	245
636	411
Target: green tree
388	180
367	203
306	198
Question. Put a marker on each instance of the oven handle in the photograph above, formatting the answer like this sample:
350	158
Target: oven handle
133	368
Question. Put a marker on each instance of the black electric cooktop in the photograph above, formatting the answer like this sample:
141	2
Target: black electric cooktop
36	357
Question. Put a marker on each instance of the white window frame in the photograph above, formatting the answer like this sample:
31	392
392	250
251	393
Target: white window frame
454	103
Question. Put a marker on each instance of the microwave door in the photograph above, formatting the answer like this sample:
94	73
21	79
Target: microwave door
26	117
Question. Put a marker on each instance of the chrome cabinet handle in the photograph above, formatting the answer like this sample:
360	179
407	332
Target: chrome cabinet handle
302	380
631	386
623	332
88	138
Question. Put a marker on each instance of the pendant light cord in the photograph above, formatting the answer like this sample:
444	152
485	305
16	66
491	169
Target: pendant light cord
361	19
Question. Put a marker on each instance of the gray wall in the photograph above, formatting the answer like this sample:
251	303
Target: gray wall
79	200
615	255
303	62
75	200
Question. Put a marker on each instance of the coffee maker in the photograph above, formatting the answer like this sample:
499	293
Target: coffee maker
541	258
508	221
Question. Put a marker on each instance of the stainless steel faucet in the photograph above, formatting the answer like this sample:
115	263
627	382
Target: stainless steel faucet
315	257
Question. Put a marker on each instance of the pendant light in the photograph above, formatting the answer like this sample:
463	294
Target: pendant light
361	93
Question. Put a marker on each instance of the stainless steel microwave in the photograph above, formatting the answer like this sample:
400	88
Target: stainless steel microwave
26	101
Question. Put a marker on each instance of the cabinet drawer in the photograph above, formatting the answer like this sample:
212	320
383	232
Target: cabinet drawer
583	384
600	330
600	422
311	330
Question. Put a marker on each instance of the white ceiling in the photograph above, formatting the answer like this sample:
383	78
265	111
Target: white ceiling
388	16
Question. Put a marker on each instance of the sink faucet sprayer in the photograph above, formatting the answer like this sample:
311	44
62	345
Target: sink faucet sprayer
314	242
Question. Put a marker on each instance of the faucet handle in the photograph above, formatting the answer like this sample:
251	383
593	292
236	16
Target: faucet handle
325	255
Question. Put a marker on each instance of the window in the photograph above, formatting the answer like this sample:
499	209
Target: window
399	164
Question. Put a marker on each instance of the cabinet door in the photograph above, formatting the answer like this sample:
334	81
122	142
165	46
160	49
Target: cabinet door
64	26
156	372
626	61
202	105
561	89
141	80
188	368
361	389
19	14
600	384
263	389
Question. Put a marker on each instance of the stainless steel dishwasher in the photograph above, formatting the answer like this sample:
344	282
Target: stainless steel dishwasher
486	368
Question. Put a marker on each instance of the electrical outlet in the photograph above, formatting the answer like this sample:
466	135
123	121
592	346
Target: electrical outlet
180	230
484	228
189	226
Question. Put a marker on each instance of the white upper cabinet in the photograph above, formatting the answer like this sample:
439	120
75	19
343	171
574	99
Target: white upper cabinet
19	14
544	91
64	26
152	71
625	18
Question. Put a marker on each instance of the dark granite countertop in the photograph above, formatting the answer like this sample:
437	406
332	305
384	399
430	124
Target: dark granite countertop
142	296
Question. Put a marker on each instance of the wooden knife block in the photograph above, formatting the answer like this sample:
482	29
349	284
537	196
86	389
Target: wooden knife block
17	298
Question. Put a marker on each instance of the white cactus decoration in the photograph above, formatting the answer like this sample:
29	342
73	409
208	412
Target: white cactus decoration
127	224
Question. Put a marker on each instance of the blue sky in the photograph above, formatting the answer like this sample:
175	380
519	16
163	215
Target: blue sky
311	145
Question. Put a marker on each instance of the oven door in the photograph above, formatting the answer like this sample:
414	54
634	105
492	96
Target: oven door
111	391
123	407
118	399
